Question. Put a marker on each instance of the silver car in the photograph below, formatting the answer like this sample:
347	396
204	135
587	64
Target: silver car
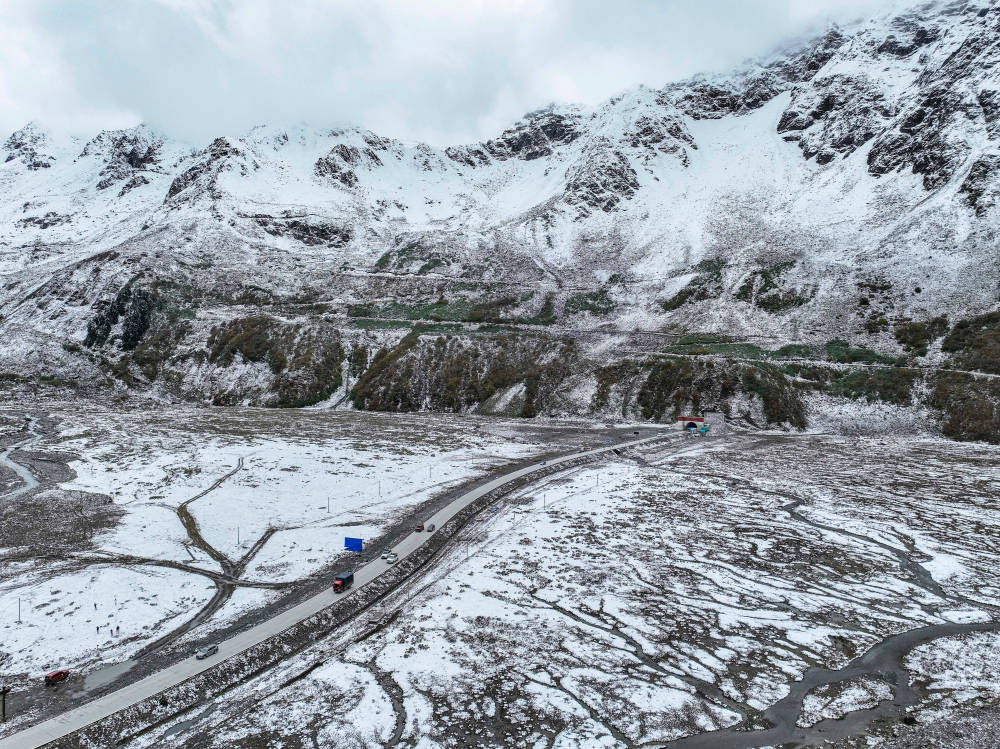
392	558
206	651
430	527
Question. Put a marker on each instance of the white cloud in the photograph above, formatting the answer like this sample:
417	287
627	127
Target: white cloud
445	71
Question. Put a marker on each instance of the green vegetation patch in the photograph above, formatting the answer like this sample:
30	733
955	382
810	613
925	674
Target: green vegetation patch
818	374
915	337
546	314
762	281
621	375
255	296
887	384
707	284
782	301
971	406
157	348
451	373
595	302
365	391
781	401
842	352
975	342
412	251
762	288
700	338
253	338
305	360
674	386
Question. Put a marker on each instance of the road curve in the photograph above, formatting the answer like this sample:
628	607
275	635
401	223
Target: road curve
131	694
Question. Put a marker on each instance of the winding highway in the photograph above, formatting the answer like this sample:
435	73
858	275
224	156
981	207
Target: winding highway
131	694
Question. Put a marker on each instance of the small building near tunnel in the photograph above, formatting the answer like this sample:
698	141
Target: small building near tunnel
714	420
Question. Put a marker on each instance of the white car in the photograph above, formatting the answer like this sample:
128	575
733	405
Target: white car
206	651
392	558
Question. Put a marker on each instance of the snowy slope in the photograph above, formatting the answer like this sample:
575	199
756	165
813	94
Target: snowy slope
843	185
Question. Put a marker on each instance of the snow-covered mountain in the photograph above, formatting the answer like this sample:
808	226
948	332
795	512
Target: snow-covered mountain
844	187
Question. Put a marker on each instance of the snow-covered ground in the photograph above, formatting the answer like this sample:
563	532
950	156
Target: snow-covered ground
307	478
665	593
957	672
837	700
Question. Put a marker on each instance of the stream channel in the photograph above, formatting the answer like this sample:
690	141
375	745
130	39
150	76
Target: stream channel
883	661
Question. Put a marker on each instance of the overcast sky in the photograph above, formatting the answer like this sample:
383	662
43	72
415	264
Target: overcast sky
443	71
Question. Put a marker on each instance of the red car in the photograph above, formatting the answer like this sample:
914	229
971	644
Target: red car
420	527
55	677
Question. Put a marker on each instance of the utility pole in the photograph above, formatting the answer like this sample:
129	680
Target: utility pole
328	503
237	535
3	704
19	610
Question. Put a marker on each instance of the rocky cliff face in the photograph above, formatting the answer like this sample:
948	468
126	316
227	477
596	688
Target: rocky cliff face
845	188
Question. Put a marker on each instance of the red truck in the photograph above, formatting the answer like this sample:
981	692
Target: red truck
343	582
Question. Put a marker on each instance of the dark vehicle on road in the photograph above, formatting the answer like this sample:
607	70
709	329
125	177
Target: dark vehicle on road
430	527
206	651
420	528
343	582
55	677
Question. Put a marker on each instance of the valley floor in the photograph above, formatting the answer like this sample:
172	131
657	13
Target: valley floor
798	587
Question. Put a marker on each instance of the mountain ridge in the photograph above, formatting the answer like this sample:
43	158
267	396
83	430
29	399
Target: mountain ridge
843	188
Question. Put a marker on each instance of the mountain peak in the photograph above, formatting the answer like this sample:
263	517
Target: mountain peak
28	145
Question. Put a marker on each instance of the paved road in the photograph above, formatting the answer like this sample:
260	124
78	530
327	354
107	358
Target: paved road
91	712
